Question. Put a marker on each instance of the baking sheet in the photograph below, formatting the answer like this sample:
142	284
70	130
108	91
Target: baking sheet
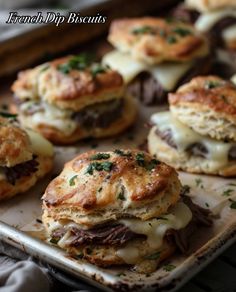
23	214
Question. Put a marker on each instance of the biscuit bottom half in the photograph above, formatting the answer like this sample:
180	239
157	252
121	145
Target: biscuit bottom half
197	157
128	241
22	177
63	126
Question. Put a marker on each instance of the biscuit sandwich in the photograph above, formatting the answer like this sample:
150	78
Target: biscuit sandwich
73	98
155	55
25	157
217	19
198	134
121	207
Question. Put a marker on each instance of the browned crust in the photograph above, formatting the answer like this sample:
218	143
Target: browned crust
74	90
146	192
15	145
156	47
221	99
105	256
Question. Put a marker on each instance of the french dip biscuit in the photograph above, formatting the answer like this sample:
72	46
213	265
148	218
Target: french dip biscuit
154	40
209	5
161	54
178	145
25	157
121	207
73	98
207	105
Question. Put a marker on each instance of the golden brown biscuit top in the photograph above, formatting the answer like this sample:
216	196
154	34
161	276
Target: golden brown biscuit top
101	181
211	91
209	5
15	146
154	40
68	81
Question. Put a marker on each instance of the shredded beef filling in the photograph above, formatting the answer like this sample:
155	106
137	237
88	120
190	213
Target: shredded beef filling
118	234
107	234
147	89
201	217
100	115
23	169
150	91
196	149
182	13
167	137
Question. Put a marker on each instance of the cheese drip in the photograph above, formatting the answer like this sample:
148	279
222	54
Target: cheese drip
167	74
39	144
51	116
183	137
207	20
155	230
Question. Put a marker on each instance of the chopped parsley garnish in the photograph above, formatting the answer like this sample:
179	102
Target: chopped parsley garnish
233	204
199	183
122	153
120	274
78	62
169	267
98	69
72	180
8	115
185	189
227	192
232	184
121	195
182	31
152	164
79	256
171	39
100	189
100	156
142	30
212	84
54	240
140	158
153	256
207	205
99	166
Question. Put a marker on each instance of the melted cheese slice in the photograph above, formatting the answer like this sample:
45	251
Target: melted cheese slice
52	116
168	74
40	145
207	20
155	230
229	34
233	79
184	137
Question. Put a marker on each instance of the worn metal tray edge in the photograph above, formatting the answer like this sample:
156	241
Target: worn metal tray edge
58	259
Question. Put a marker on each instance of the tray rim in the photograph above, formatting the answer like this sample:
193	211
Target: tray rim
52	256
